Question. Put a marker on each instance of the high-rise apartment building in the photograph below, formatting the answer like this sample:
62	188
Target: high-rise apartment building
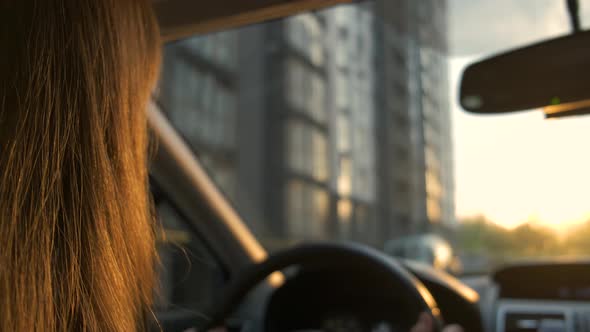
327	125
415	148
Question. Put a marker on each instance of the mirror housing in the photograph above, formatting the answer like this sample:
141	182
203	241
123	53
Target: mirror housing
554	75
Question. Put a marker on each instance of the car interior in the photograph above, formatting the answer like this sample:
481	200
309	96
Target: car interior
215	271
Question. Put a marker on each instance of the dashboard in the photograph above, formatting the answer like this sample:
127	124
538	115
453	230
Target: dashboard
525	297
543	296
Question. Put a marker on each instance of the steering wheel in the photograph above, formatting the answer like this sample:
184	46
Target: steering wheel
394	280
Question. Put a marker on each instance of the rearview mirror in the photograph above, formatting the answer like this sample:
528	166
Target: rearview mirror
554	75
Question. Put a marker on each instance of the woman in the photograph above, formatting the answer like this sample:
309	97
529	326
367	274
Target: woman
77	248
76	242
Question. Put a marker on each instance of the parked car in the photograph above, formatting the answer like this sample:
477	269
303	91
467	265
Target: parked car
430	249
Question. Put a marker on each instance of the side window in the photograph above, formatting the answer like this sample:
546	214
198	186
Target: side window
189	275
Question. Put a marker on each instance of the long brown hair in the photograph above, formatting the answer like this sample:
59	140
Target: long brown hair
77	248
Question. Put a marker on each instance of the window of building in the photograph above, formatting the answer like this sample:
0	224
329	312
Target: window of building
401	197
227	114
316	97
341	91
363	161
343	123
307	150
430	134
345	177
296	149
399	57
342	55
219	48
295	84
344	217
432	160
429	108
197	103
433	185
305	33
363	182
306	91
402	152
321	202
433	209
296	213
307	209
319	146
204	111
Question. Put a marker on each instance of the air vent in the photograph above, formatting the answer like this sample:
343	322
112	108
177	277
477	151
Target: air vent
533	322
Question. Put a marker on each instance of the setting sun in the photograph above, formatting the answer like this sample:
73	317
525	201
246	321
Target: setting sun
521	167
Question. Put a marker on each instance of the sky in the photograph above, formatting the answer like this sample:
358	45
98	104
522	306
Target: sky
517	167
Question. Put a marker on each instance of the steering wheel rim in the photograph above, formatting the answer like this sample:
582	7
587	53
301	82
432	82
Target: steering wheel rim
327	254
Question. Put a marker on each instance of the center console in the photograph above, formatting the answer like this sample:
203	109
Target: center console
546	316
543	298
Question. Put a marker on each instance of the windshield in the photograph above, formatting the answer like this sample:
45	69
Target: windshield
342	124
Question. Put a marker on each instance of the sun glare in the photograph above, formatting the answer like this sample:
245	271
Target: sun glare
518	168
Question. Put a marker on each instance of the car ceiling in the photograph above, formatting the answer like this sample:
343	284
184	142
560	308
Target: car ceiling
182	18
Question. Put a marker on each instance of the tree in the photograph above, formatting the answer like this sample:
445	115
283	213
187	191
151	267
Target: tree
483	238
532	240
577	240
479	235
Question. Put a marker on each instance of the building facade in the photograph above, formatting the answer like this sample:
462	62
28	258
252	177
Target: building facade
415	147
326	125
